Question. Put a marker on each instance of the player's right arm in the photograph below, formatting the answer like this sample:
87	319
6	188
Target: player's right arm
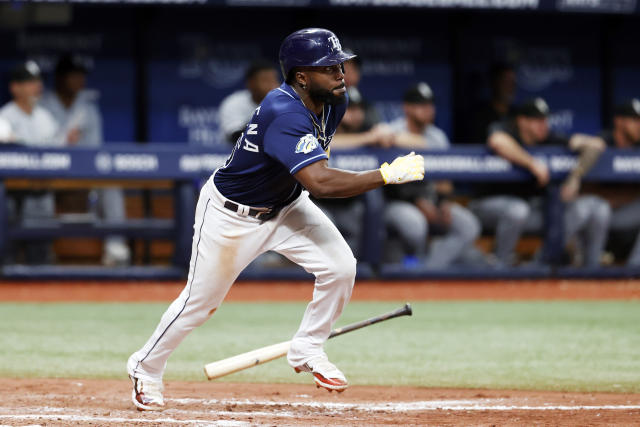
507	147
290	139
323	181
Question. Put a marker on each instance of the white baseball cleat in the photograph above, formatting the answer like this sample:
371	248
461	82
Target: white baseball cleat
147	395
325	373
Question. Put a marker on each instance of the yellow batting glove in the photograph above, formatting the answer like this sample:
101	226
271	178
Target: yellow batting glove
403	169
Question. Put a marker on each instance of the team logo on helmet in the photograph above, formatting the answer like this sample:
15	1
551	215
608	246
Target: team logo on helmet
307	144
335	43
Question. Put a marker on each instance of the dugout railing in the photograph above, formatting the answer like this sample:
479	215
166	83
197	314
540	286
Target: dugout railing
186	167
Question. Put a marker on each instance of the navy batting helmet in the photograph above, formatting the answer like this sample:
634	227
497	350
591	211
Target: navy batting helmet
314	47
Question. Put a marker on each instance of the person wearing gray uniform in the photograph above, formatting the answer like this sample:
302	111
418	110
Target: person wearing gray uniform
513	208
625	135
419	210
76	113
31	125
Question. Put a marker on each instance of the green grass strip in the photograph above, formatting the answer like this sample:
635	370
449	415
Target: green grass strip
570	346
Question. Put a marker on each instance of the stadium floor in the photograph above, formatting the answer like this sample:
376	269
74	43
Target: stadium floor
84	402
62	402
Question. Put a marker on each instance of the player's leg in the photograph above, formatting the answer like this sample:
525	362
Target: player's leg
307	237
508	215
224	243
464	230
588	216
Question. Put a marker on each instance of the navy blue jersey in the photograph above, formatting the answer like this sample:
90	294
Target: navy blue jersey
282	137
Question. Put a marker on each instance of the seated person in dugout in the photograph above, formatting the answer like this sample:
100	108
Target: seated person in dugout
513	208
425	209
32	125
623	197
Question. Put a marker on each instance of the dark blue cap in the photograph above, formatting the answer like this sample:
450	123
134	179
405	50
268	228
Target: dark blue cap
311	47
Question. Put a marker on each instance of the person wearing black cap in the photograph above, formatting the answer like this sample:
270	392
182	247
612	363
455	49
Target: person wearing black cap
421	210
417	129
516	207
625	200
77	115
30	123
626	126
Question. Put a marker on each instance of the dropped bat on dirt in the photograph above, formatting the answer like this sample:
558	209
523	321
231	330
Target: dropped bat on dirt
265	354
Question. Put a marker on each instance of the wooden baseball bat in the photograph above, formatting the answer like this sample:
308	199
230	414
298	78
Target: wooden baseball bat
265	354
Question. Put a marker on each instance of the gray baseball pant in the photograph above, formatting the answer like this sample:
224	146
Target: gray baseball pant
412	227
587	219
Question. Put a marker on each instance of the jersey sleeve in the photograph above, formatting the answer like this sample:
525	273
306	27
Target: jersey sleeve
290	140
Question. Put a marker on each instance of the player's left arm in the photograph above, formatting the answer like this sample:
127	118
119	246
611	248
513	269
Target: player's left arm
589	148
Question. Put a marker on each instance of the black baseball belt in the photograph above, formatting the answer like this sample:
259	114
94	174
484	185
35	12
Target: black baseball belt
263	214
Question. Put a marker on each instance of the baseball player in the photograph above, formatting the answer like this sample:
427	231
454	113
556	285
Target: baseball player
624	197
32	125
258	201
515	207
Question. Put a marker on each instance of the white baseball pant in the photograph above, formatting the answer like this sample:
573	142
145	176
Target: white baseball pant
224	243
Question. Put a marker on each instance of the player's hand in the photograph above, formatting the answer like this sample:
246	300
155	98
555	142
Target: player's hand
540	171
403	169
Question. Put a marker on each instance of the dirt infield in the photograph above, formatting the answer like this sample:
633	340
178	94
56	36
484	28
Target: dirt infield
83	402
92	402
301	291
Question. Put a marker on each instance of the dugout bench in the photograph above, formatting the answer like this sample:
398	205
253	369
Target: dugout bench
183	168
